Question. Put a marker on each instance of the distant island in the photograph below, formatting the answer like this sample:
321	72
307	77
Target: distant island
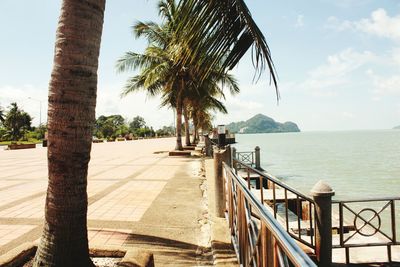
397	127
262	124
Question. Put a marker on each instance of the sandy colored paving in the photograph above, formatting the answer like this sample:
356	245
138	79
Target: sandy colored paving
107	236
20	191
34	208
128	203
129	186
8	183
11	232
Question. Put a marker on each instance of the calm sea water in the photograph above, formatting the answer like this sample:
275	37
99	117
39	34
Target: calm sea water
357	164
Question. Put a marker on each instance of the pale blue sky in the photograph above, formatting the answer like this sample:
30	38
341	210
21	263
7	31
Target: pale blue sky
338	62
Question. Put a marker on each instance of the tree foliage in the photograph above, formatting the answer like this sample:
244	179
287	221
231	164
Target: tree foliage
16	123
110	127
137	123
226	30
1	115
163	72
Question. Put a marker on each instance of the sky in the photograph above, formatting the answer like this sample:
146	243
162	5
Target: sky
338	62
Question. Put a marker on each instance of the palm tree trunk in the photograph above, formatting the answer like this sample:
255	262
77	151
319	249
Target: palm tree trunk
179	123
71	115
195	128
187	130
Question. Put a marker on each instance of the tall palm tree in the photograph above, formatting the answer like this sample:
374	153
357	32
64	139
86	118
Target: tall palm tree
210	90
162	71
71	116
72	99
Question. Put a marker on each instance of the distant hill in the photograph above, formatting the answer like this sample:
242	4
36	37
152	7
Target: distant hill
397	127
262	124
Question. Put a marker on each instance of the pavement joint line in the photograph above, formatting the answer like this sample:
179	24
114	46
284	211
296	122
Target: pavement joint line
129	224
29	236
10	186
22	200
21	173
113	165
21	221
119	184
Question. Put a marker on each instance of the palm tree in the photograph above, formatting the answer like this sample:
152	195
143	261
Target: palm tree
226	30
72	102
16	123
162	71
71	116
206	97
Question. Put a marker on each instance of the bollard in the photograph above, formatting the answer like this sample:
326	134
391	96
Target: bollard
228	155
220	155
322	194
258	158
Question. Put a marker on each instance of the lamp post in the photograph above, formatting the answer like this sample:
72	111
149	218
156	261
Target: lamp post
221	130
40	110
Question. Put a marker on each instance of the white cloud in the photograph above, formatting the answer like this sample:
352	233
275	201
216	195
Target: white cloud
378	24
239	108
299	21
21	95
333	23
348	3
395	55
347	115
398	109
108	102
385	86
340	64
324	80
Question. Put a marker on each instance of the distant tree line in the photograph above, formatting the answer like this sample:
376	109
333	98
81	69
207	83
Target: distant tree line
16	125
114	126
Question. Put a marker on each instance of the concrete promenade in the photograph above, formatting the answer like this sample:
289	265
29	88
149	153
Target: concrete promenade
138	196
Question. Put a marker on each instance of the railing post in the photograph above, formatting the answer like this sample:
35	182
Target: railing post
322	194
207	143
233	156
220	155
258	159
228	155
234	152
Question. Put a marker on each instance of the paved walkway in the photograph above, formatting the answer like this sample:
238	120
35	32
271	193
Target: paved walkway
138	196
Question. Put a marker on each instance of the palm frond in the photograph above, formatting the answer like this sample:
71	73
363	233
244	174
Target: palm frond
226	29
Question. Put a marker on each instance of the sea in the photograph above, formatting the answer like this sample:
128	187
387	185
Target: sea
356	164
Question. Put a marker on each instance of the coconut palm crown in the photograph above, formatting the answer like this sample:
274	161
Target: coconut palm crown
162	73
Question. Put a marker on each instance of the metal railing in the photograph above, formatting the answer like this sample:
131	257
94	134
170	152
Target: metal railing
355	223
366	222
258	238
290	207
246	157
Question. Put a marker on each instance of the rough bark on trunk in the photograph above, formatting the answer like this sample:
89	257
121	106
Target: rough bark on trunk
179	123
187	130
194	129
71	114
